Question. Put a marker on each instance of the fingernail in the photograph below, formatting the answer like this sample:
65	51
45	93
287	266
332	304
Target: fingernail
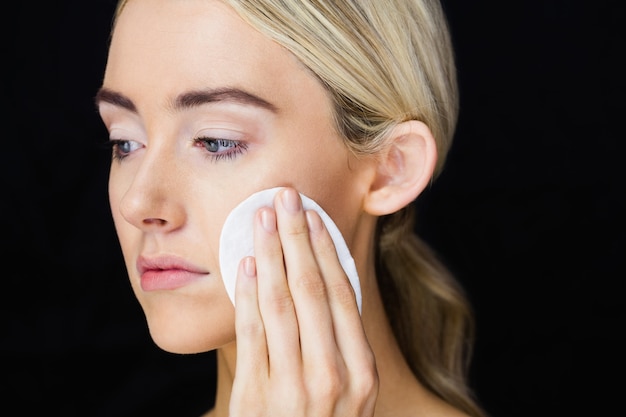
314	221
268	220
291	200
249	266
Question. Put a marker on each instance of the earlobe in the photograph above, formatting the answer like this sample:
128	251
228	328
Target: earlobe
404	168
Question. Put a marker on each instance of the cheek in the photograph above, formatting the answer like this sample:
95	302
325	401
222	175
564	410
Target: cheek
207	210
115	191
337	188
206	214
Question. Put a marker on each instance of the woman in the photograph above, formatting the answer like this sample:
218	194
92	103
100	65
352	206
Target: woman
351	103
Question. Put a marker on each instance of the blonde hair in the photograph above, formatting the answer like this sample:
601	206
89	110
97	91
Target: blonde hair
384	62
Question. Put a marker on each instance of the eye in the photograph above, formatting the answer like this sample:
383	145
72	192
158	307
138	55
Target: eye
122	148
221	148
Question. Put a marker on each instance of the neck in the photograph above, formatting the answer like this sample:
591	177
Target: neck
226	359
397	383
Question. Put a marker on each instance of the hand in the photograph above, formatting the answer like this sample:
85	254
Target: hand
301	347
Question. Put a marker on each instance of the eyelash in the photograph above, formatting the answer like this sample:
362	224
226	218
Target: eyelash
236	148
114	146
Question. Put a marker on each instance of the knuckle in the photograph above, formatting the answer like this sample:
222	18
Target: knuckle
280	302
311	282
289	398
342	292
243	404
326	247
366	384
292	395
328	385
299	231
250	329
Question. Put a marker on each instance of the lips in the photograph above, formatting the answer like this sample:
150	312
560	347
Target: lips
167	273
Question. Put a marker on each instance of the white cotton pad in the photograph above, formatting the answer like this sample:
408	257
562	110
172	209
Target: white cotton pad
236	240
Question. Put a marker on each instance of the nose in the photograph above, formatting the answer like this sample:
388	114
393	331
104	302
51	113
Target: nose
153	201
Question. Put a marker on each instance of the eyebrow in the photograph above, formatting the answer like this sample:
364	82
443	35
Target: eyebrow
190	99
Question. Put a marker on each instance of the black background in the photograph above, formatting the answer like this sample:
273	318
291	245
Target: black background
529	214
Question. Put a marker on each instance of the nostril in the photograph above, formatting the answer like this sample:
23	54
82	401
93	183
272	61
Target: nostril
154	221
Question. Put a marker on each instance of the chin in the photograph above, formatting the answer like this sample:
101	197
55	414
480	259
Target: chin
190	334
171	345
182	342
189	324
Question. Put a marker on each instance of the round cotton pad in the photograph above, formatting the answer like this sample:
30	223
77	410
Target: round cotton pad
236	240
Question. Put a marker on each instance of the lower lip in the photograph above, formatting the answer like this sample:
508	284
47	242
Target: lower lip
167	279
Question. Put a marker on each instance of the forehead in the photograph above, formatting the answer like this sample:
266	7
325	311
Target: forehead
165	46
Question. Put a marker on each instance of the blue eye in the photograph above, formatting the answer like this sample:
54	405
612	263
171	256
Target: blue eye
221	148
122	148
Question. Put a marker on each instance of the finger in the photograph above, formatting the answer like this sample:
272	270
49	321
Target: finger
361	376
350	336
251	339
275	302
305	283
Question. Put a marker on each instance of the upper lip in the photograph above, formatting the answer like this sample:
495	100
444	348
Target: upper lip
167	262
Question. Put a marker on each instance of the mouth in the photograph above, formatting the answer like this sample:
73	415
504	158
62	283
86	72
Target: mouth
167	273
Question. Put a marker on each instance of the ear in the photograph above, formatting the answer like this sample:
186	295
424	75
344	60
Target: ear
404	168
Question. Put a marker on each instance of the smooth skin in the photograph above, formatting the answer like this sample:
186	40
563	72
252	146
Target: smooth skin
204	111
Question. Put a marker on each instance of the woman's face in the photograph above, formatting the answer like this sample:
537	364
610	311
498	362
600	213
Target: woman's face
208	111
